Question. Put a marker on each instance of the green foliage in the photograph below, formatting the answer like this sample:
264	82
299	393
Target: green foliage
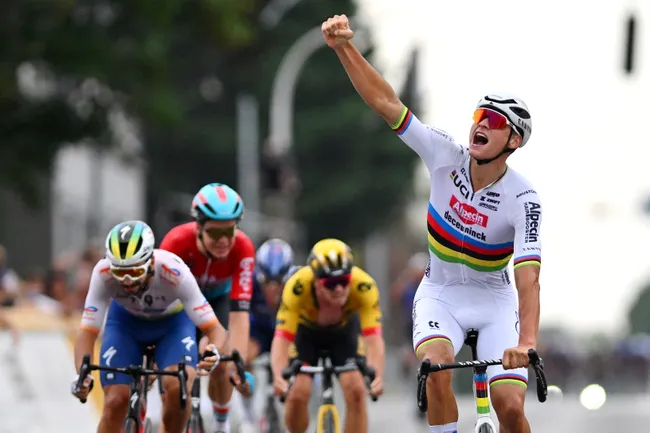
124	46
154	60
356	174
639	314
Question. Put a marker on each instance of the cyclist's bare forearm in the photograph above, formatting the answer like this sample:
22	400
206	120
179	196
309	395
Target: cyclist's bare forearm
527	282
370	85
218	336
239	325
279	355
376	350
84	344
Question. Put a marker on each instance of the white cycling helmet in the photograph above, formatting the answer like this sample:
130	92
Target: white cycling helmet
515	110
129	243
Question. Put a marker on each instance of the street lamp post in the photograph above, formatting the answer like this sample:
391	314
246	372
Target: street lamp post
281	107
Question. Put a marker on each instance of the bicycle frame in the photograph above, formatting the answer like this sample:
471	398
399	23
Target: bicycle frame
327	371
137	410
480	387
138	392
195	422
484	422
269	421
327	398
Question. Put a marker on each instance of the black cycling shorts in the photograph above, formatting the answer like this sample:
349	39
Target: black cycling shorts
340	344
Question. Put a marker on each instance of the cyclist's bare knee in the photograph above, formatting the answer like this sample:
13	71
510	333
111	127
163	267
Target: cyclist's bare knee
438	352
300	391
171	384
296	416
508	402
116	402
354	390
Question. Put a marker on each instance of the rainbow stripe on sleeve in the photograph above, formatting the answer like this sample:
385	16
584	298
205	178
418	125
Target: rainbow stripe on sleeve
403	121
534	259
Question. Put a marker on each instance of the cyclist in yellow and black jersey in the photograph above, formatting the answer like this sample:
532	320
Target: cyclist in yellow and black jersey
318	314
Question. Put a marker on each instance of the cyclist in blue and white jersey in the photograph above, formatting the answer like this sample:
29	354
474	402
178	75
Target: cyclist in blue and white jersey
273	267
481	215
148	297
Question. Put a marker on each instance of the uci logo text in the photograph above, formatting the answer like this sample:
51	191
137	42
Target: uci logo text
464	191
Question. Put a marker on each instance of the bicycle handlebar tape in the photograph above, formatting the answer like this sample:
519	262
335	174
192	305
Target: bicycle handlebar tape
83	373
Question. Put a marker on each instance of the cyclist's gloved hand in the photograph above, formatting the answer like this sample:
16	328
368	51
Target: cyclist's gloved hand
250	381
210	362
86	387
280	386
377	387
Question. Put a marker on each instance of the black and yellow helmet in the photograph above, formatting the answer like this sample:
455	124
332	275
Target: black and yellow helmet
330	258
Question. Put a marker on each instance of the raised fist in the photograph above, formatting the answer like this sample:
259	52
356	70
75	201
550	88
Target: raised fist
336	31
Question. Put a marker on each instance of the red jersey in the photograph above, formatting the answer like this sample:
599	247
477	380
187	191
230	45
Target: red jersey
216	278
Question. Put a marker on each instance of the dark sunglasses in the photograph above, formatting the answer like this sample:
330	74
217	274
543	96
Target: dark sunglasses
218	233
332	283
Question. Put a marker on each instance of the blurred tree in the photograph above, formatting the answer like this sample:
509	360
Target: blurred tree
355	174
67	64
639	314
177	67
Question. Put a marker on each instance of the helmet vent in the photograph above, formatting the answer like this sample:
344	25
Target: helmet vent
520	112
209	208
124	245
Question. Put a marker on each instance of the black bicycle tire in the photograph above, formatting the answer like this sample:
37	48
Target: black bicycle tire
485	428
328	422
195	425
272	419
130	426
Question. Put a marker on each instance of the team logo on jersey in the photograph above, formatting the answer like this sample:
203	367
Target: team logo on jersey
468	214
462	188
488	202
246	268
533	215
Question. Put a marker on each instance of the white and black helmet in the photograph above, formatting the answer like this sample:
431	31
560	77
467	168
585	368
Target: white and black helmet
129	243
515	110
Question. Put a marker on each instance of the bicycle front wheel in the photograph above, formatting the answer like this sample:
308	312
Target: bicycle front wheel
485	428
195	425
272	419
148	426
130	426
328	420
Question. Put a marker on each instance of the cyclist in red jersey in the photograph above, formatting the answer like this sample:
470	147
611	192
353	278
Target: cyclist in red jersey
222	259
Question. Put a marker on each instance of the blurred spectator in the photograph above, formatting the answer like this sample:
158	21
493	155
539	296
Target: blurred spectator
56	288
5	323
402	294
34	294
81	276
9	282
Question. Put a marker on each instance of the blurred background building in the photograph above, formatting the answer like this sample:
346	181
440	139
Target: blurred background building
116	110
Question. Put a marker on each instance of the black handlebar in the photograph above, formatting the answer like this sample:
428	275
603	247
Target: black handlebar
359	364
537	364
234	357
535	361
135	371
